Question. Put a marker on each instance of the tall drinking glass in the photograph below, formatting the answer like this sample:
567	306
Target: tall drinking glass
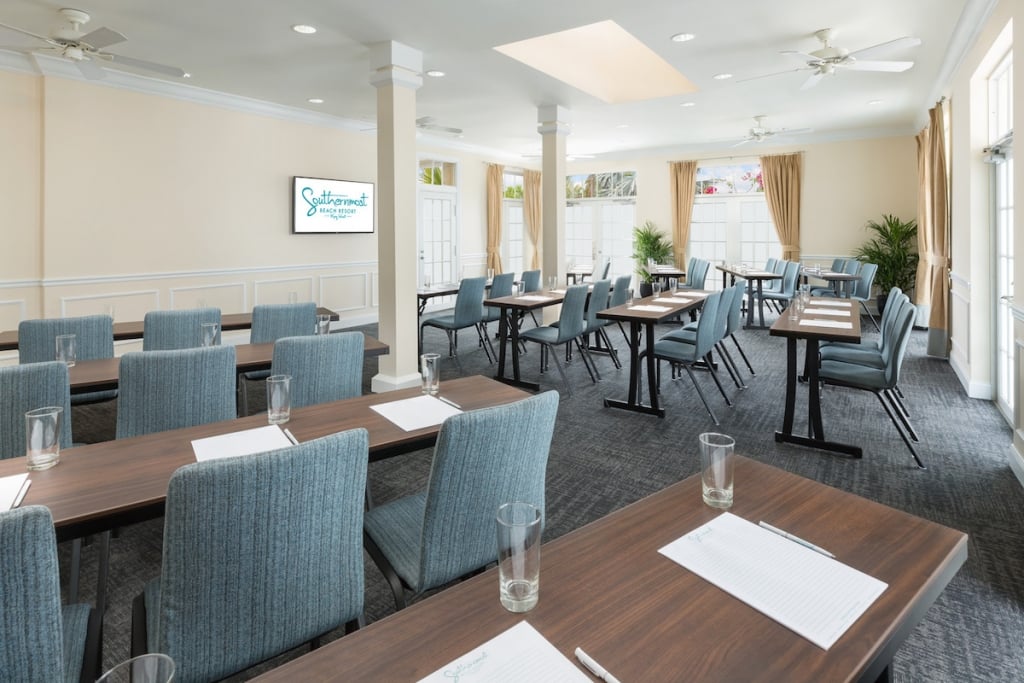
518	556
279	399
430	373
716	466
42	437
67	349
154	667
209	332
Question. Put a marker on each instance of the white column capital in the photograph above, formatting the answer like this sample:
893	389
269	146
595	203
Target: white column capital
393	63
552	118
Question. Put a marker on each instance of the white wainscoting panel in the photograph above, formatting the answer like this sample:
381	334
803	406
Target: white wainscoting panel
227	296
278	291
131	305
346	292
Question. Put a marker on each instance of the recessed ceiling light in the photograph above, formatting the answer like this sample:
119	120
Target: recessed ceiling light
434	73
722	77
622	125
688	104
872	103
304	28
315	100
682	37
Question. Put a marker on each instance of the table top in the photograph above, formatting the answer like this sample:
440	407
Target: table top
101	374
525	302
829	275
99	486
667	271
133	329
785	327
606	588
749	273
684	301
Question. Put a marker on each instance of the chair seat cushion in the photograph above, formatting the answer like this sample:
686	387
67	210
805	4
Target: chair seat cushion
823	291
686	335
871	357
446	322
396	528
545	335
75	626
675	351
93	397
852	373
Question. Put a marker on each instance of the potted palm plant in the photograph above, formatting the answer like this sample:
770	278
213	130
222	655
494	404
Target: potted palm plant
894	249
649	243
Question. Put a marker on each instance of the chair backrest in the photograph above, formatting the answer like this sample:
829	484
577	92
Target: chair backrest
893	356
169	330
572	320
94	337
862	288
279	565
469	309
708	325
324	368
838	265
161	390
604	271
780	267
730	296
271	322
769	265
501	285
597	303
483	458
789	278
620	292
31	631
734	316
27	387
851	267
890	322
530	280
697	274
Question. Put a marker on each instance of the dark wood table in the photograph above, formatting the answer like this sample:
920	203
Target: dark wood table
606	588
666	272
755	277
839	281
425	294
792	330
512	308
102	374
100	486
647	320
133	330
578	274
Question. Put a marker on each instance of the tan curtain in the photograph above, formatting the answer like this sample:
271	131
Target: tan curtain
781	174
682	186
932	288
495	194
531	213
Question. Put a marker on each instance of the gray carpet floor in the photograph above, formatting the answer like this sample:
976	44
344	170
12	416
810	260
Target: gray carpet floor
603	459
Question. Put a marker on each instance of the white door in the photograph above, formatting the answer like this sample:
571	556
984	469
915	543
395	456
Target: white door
438	235
600	229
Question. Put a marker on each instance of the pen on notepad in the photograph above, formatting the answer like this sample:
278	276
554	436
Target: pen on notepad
21	493
291	437
796	539
453	404
594	667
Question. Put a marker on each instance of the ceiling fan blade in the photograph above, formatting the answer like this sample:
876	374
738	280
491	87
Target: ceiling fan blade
871	65
742	142
442	129
90	69
904	42
802	56
795	131
777	73
101	38
143	64
28	33
812	81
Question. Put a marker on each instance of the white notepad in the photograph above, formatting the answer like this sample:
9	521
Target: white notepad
839	324
416	413
671	300
535	297
826	311
813	595
245	442
518	654
652	309
9	488
841	304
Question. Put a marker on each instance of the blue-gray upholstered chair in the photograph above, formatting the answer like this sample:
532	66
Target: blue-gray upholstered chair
599	301
27	387
531	283
696	274
40	641
861	292
728	307
271	322
787	290
469	312
324	368
161	390
838	266
501	286
170	330
261	554
621	293
685	355
482	459
94	338
572	324
881	381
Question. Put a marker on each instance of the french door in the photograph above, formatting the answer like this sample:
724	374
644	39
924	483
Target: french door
438	235
600	229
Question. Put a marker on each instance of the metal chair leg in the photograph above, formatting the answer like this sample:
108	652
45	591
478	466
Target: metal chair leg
865	307
730	365
714	376
903	418
700	392
743	355
558	364
910	446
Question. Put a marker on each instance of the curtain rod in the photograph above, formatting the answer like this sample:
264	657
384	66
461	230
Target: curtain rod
738	156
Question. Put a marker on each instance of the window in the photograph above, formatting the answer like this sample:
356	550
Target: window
730	222
513	227
1000	152
599	217
437	172
437	219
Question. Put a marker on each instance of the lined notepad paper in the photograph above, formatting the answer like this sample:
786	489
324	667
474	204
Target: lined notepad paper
838	304
416	413
9	489
827	323
245	442
813	595
827	311
651	309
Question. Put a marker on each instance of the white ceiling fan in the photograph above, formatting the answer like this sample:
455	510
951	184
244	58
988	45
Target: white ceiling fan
86	49
828	58
427	123
760	133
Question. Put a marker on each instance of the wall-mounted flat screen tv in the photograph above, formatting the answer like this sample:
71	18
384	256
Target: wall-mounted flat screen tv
331	206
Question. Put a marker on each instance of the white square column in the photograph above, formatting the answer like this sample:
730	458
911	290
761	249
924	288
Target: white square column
395	72
553	125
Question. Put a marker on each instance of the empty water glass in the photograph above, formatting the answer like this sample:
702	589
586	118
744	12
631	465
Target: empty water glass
209	332
42	437
67	352
673	284
430	373
656	287
519	532
323	324
279	399
153	667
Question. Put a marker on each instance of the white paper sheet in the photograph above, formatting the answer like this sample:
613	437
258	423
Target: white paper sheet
813	595
518	654
9	487
416	413
557	291
759	273
839	324
535	297
837	303
651	309
681	299
245	442
827	311
671	300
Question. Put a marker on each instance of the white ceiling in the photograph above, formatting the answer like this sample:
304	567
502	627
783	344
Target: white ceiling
246	47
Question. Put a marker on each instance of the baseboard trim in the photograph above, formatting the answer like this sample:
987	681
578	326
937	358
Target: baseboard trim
1016	459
